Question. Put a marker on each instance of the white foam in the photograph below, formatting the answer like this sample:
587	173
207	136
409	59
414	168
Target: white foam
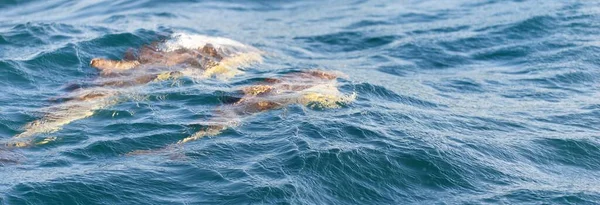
195	41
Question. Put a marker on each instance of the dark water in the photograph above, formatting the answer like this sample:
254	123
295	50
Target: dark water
459	102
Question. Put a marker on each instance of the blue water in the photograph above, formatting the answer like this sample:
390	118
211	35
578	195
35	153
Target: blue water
458	102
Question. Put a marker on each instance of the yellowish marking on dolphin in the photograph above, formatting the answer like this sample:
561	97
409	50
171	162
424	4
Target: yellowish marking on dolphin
211	131
18	144
325	100
46	140
170	75
257	89
66	114
227	68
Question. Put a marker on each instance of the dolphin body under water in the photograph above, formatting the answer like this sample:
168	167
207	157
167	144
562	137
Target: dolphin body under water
194	56
309	88
312	88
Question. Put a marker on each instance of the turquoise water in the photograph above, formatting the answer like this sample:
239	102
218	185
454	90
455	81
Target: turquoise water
458	102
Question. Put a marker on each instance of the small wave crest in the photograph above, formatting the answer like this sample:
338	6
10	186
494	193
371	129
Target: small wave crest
195	41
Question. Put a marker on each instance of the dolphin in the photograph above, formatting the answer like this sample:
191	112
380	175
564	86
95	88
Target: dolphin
313	88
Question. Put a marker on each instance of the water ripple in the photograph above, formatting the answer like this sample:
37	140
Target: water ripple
461	102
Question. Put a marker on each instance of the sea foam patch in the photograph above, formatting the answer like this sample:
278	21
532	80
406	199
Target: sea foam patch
194	41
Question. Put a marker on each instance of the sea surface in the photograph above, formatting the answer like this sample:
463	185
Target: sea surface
457	102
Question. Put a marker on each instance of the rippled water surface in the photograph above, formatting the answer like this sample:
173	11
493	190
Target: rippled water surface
458	102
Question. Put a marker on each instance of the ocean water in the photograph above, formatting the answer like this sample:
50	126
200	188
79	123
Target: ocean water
457	102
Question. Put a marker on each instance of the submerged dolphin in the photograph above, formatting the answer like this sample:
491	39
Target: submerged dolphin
308	88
